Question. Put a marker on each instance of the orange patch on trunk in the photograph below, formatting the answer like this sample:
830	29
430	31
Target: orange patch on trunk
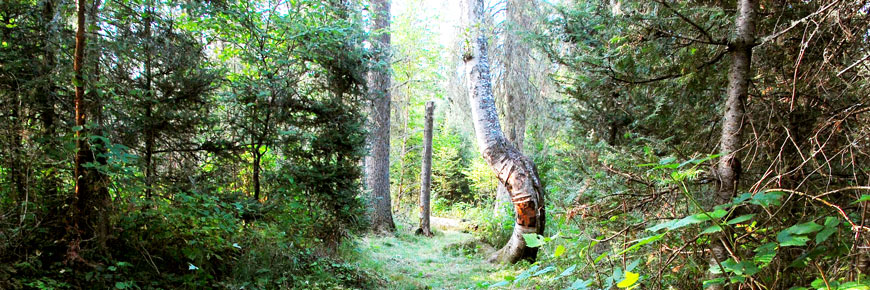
526	215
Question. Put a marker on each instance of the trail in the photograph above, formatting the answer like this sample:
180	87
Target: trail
451	259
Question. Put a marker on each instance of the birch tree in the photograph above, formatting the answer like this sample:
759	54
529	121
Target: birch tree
516	171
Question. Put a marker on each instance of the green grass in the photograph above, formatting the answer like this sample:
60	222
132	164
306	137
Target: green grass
449	260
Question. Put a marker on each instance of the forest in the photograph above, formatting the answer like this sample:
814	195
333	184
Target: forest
456	144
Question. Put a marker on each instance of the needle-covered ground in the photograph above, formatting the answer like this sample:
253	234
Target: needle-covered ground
449	260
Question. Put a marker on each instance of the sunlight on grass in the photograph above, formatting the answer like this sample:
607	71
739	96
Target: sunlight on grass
407	261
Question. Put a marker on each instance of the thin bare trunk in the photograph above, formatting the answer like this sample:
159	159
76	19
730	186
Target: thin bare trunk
426	170
256	165
516	171
378	161
89	217
149	110
729	168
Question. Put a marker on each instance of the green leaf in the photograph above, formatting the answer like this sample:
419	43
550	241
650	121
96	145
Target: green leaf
712	282
533	240
641	242
795	235
600	257
567	272
831	224
766	199
764	254
712	229
864	197
667	160
853	286
560	249
544	271
630	279
740	219
580	284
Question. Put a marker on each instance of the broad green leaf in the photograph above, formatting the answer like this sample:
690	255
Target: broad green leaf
567	272
740	219
560	249
764	254
544	271
712	229
630	279
580	284
805	228
831	224
794	235
527	273
533	240
766	199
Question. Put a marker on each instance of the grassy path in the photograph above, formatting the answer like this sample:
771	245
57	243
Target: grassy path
449	260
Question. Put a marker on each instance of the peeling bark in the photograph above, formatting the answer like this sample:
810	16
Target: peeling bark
516	171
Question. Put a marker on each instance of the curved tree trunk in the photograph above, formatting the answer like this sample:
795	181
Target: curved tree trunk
515	88
377	164
729	168
516	171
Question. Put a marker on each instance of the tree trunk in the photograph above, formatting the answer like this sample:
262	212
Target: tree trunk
515	92
516	171
89	220
45	96
729	168
378	161
149	110
426	171
256	165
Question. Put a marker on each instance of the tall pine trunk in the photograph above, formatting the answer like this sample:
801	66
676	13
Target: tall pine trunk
378	161
426	171
729	168
516	171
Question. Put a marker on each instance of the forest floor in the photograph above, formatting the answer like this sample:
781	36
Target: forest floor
451	259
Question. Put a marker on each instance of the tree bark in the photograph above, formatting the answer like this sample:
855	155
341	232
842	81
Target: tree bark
256	166
149	110
88	219
729	168
426	171
378	161
46	94
516	171
515	92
